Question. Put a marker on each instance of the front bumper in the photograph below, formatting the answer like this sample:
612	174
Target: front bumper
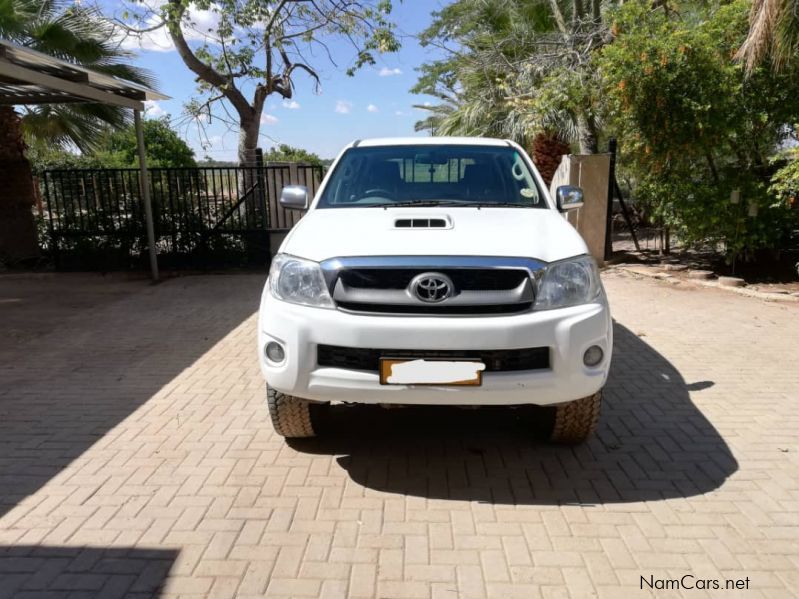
568	332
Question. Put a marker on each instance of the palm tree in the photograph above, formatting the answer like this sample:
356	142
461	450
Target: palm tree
774	32
437	114
17	227
522	70
66	30
76	34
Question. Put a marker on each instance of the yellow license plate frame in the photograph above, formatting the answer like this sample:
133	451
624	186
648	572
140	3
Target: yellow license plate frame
387	363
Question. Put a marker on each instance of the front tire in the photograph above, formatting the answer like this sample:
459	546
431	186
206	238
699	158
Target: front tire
576	421
291	416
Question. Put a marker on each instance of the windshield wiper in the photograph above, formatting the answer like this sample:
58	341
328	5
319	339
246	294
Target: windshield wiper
495	205
429	203
418	204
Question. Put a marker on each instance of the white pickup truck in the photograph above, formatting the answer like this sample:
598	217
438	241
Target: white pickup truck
434	271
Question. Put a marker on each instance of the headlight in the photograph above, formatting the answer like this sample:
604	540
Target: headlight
299	281
568	283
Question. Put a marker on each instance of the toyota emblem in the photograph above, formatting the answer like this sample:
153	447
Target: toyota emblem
432	287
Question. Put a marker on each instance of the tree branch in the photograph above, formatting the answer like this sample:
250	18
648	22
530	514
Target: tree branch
204	71
556	12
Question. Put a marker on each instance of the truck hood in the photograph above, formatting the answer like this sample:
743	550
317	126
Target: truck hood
518	232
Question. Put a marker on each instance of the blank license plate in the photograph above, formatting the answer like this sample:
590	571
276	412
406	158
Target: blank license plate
404	371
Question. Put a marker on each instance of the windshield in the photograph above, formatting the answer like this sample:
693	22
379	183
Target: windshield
425	175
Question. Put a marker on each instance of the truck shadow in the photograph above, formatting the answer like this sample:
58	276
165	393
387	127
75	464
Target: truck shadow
652	443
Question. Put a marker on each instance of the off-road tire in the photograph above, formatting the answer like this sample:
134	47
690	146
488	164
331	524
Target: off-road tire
576	420
291	416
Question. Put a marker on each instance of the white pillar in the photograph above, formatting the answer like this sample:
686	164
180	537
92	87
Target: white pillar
144	187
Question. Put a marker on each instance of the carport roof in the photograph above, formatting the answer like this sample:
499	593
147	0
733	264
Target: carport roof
30	77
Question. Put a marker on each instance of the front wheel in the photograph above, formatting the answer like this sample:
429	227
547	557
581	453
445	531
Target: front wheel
291	416
576	420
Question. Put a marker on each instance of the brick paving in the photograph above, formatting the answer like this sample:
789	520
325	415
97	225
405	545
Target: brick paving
137	460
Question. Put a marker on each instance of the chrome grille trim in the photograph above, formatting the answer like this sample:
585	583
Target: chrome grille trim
522	293
366	299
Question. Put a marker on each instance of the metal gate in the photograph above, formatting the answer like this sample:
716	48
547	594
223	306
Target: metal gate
208	217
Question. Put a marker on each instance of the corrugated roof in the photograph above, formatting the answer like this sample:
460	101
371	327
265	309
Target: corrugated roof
30	77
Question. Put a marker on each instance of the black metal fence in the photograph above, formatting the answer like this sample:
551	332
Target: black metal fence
204	217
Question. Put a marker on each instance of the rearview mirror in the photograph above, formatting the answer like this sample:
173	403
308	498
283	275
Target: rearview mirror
431	158
294	197
569	197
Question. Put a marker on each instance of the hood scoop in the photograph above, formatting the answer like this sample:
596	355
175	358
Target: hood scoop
426	222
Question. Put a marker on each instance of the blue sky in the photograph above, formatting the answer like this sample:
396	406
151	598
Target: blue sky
375	102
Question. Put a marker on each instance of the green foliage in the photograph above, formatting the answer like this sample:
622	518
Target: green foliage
693	126
164	147
515	68
118	149
42	158
78	34
286	153
659	76
785	182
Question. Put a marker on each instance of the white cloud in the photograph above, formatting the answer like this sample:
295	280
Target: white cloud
153	109
399	113
372	108
268	119
387	72
203	25
343	107
154	41
291	104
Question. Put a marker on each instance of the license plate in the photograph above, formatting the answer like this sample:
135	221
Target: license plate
430	371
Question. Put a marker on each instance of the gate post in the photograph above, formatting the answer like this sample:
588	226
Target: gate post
259	163
263	204
611	193
144	190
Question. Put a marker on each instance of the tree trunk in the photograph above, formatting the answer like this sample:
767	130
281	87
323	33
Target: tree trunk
17	225
587	134
596	11
248	141
548	150
256	241
577	12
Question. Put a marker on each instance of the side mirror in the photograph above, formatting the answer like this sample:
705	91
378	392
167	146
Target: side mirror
295	197
569	197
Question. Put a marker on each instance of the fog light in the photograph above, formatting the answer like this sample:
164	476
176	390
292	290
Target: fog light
593	355
274	352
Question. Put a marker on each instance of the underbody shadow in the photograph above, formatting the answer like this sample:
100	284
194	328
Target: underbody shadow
652	443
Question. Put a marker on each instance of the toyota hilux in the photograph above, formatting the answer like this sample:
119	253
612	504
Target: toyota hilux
434	271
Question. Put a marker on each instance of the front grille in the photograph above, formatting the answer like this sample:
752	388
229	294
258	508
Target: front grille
466	279
441	309
496	360
476	291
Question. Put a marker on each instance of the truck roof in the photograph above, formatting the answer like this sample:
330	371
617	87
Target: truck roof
429	141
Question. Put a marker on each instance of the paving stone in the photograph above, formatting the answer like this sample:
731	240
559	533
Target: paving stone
137	460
